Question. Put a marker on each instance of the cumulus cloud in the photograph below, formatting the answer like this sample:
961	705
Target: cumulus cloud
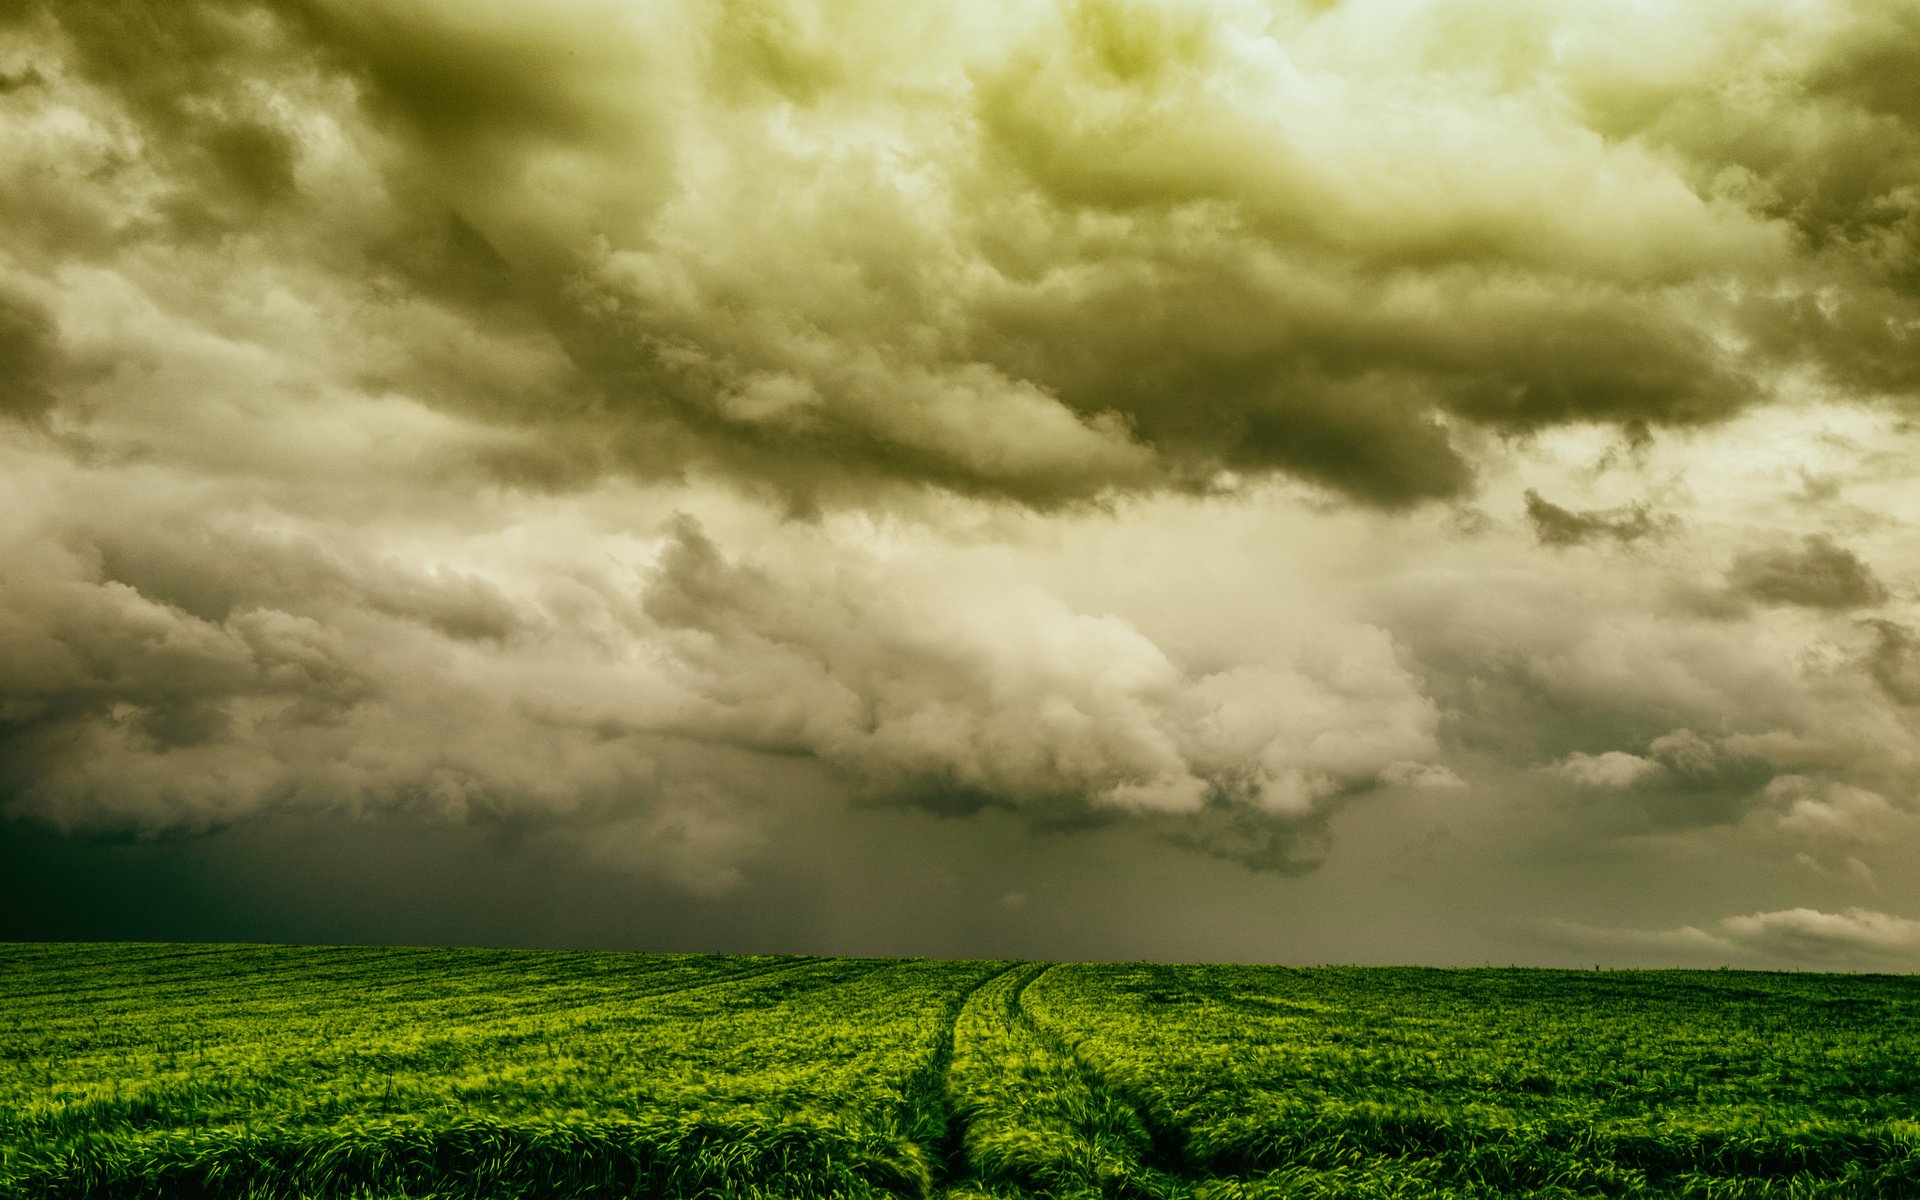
938	690
167	677
1610	769
1810	934
127	711
1635	700
1794	936
1835	810
1681	778
1063	404
1045	254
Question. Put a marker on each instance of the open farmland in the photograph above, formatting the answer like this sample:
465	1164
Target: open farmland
247	1071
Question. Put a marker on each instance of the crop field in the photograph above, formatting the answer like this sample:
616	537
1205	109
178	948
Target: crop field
254	1071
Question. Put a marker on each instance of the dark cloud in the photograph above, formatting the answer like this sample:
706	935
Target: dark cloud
169	681
1060	400
191	76
1284	848
1556	526
1829	148
1088	271
29	357
1681	779
13	81
1894	660
1815	574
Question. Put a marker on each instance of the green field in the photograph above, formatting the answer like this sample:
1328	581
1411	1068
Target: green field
254	1071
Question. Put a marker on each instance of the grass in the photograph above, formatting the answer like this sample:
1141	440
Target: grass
379	1074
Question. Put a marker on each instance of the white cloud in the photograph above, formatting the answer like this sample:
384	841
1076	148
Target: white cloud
1834	813
1806	933
1611	769
1798	936
914	675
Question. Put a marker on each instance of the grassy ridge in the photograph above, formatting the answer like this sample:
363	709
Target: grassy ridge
251	1072
1510	1082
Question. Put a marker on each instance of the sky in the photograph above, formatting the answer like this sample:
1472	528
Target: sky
1321	482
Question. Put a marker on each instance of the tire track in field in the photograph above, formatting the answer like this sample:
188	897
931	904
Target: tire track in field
1164	1155
933	1121
1027	1123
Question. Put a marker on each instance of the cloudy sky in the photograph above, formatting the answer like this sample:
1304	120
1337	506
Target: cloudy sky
1381	481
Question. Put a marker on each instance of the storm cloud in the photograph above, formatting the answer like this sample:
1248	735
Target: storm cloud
1816	574
1037	253
673	430
1556	526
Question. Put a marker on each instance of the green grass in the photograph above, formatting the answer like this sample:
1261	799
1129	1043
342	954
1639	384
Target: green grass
254	1072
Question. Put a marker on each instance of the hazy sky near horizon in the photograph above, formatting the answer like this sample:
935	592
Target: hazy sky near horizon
1316	482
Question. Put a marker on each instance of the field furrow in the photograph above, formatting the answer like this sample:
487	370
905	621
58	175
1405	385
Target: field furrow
932	1119
249	1072
1037	1121
681	1082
